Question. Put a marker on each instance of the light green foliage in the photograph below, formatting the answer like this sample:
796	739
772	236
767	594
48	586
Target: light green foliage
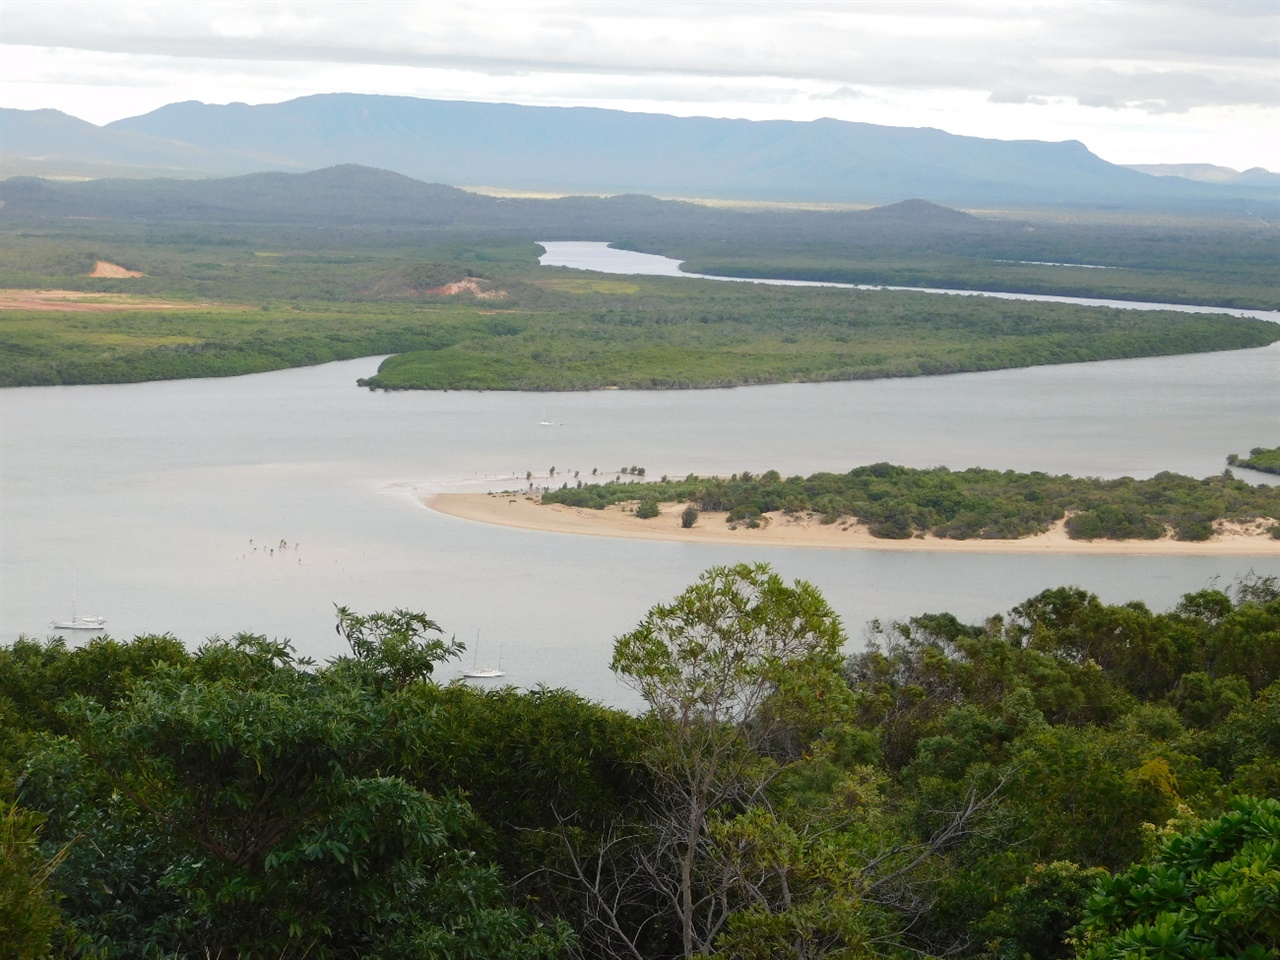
29	916
801	885
741	672
1266	459
737	642
1211	892
396	647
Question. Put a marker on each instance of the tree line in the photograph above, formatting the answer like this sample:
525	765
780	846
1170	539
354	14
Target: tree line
898	502
1069	779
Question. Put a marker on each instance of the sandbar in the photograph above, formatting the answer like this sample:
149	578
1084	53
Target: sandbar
525	511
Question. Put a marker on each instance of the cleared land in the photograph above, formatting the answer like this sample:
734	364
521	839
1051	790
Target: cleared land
113	271
81	301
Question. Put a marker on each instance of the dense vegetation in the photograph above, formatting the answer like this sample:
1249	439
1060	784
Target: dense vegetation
1218	261
235	305
1260	458
1227	255
1068	770
901	502
259	273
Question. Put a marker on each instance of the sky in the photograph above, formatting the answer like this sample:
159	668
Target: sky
1169	81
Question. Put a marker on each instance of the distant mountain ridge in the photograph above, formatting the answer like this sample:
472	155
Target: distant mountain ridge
1209	173
583	149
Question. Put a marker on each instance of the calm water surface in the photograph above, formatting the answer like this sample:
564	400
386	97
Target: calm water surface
171	500
602	258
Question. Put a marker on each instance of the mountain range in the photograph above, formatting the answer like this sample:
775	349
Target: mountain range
587	150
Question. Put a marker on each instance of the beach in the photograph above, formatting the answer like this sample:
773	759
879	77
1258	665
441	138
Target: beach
524	510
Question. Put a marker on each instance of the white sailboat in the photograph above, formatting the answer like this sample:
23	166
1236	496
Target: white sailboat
483	673
78	622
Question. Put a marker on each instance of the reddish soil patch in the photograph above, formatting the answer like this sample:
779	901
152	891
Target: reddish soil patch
113	271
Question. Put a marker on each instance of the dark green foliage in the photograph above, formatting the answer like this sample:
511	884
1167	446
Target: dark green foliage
247	296
901	502
677	334
1034	918
240	806
688	516
1213	891
647	509
958	790
1187	260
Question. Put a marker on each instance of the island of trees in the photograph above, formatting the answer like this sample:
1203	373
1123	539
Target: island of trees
897	502
1068	779
1260	458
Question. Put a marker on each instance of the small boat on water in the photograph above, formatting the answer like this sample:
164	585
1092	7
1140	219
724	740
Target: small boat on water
483	673
77	622
80	623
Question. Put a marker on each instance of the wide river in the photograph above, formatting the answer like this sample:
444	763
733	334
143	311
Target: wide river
208	507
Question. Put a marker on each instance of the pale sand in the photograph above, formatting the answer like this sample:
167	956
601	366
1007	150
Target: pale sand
113	271
525	511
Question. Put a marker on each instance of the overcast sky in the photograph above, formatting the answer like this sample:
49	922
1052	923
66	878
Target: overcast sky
1138	82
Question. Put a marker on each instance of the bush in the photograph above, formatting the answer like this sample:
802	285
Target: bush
689	516
1208	893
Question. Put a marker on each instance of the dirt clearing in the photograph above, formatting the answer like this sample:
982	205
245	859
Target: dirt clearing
78	301
113	271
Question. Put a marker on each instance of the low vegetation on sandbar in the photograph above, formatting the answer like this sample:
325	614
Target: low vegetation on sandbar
897	502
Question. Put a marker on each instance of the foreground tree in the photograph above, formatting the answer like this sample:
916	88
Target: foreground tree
741	672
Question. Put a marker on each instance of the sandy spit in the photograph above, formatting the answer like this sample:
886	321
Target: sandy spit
525	511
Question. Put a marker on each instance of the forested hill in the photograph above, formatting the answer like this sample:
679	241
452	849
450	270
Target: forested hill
355	195
584	149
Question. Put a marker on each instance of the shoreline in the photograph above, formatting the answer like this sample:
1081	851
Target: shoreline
524	511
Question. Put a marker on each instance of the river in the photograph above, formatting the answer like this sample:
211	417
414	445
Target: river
207	507
600	257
